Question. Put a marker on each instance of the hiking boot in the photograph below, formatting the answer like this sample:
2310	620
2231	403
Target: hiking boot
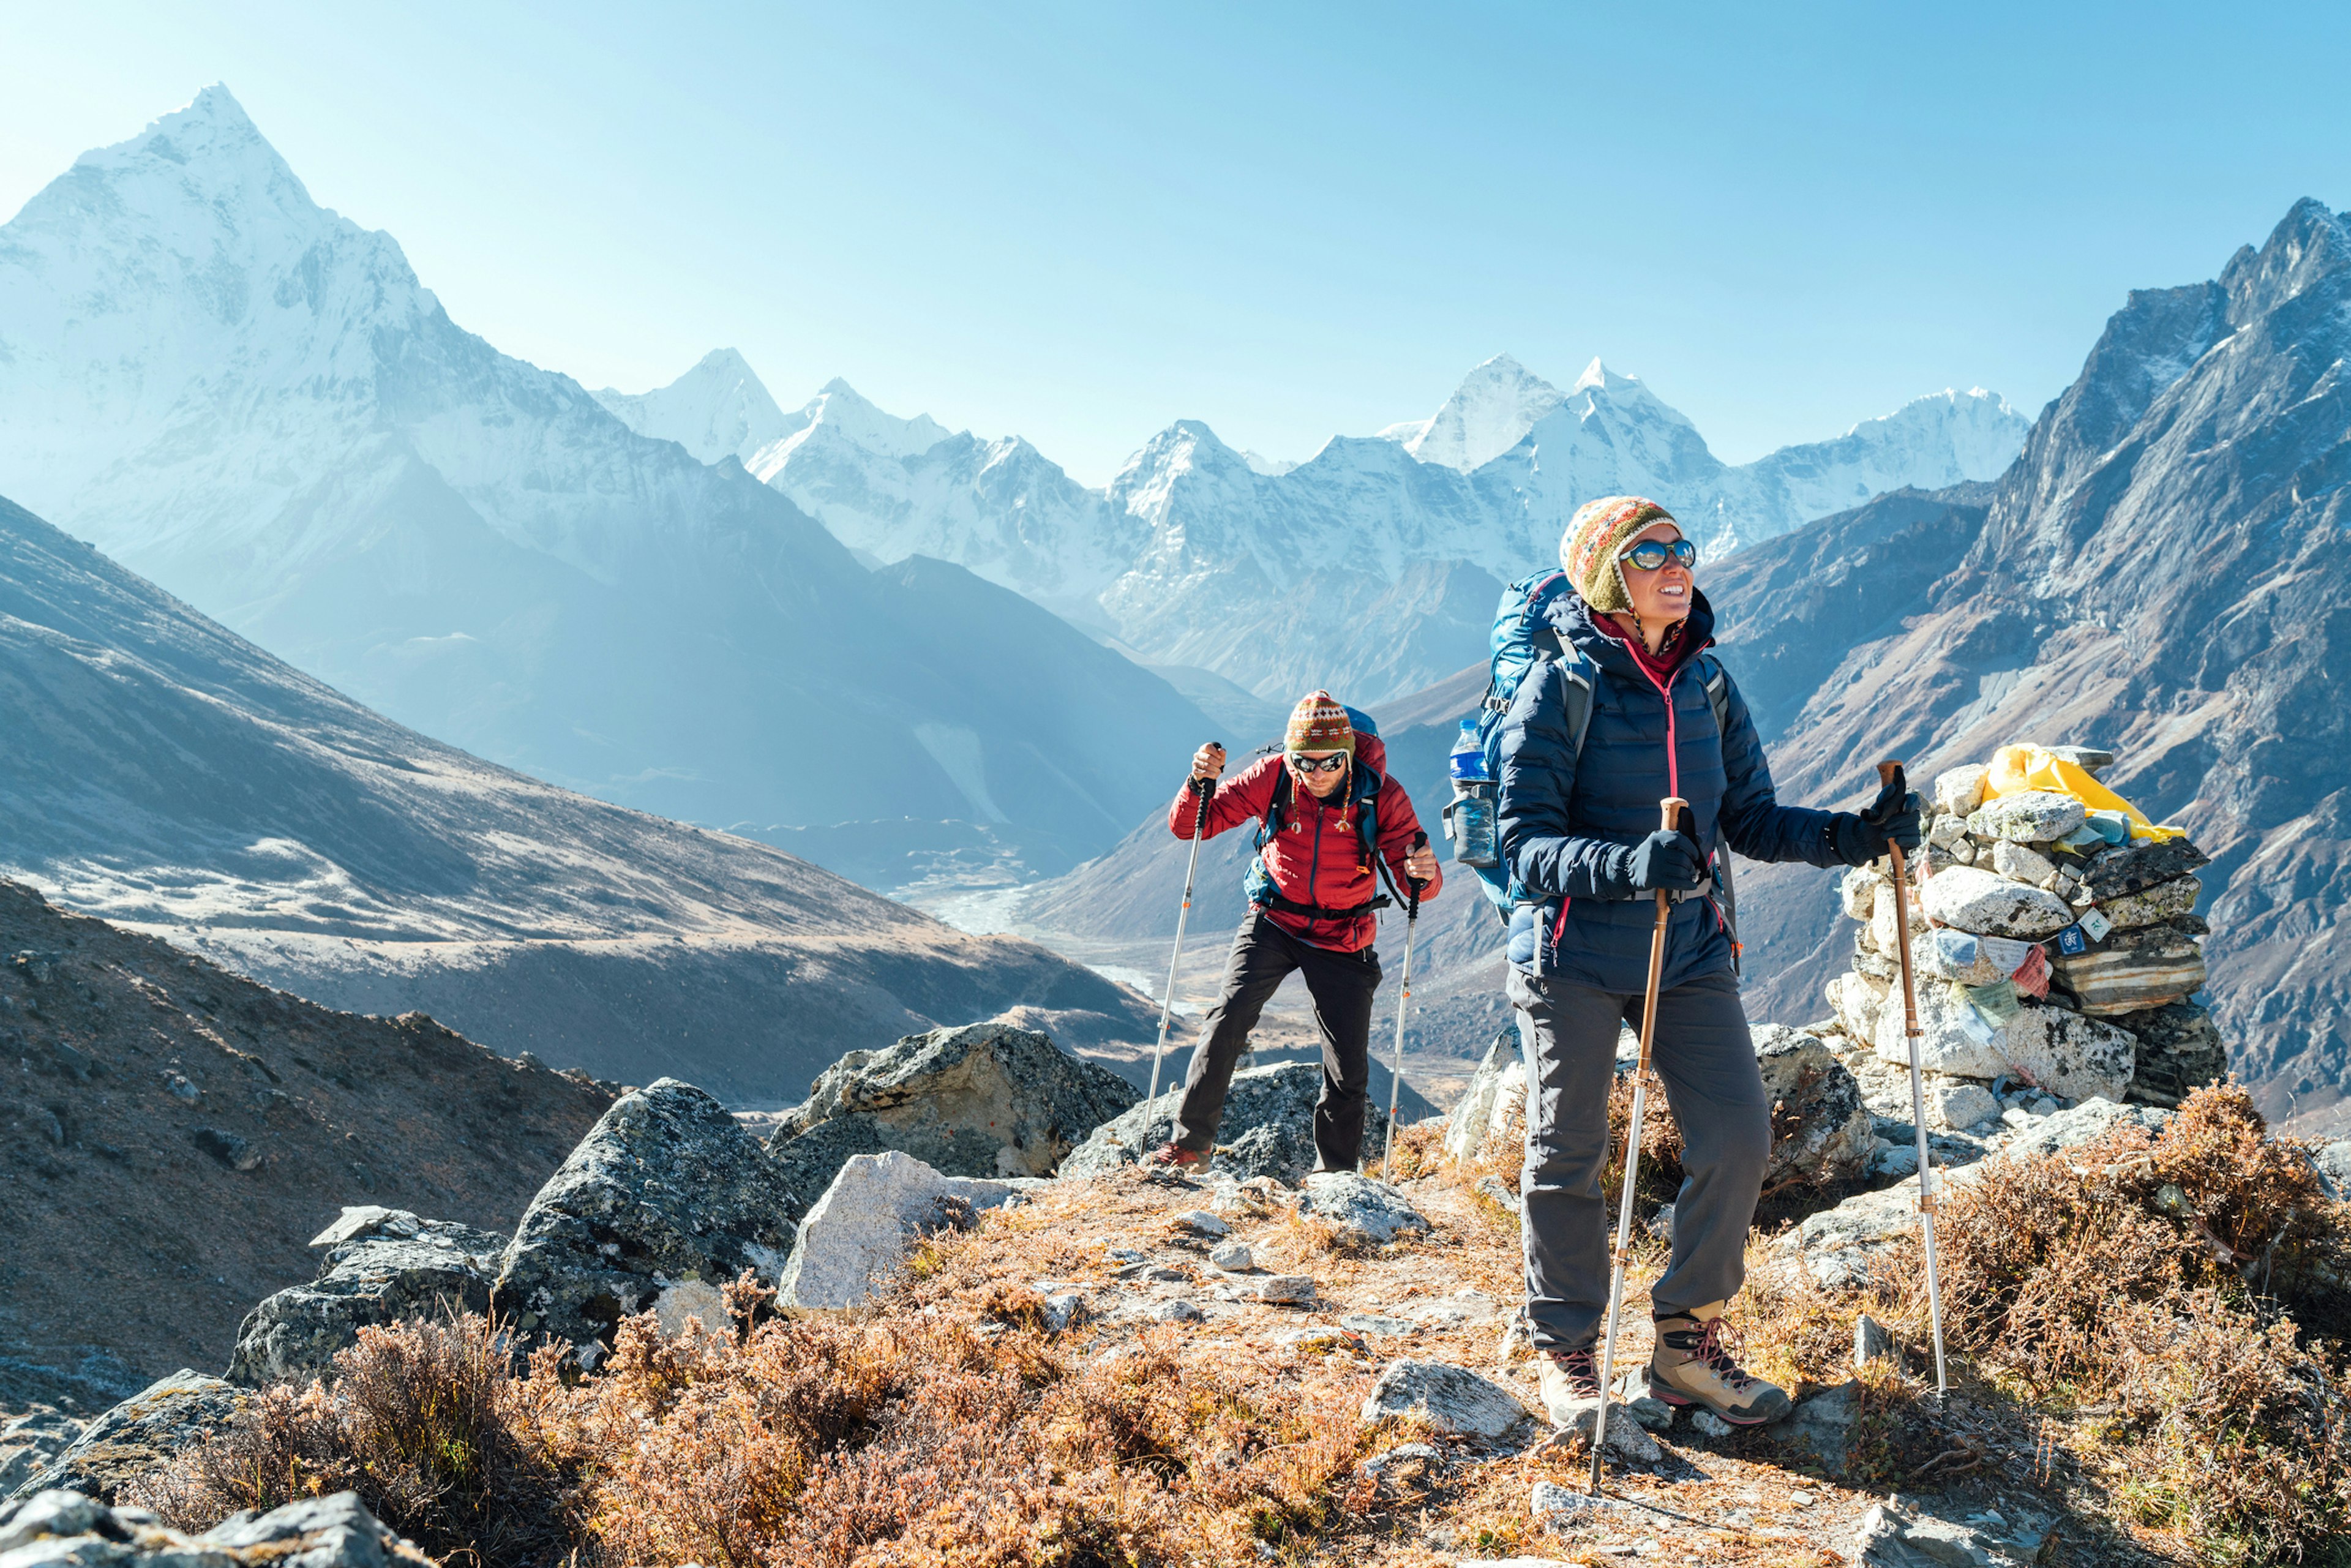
1172	1156
1571	1386
1693	1366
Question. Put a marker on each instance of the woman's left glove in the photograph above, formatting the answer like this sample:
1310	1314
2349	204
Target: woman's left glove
1894	818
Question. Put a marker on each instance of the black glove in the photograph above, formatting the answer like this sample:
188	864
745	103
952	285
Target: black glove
1892	818
1668	860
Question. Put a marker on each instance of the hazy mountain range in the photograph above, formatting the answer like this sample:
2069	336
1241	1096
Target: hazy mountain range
1371	567
166	774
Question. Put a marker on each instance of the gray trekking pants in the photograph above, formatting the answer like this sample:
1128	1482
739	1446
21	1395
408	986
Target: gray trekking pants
1702	1052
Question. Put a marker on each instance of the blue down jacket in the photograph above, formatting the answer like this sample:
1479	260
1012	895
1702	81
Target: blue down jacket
1568	825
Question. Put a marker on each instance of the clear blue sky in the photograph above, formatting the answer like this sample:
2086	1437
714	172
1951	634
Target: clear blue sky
1080	222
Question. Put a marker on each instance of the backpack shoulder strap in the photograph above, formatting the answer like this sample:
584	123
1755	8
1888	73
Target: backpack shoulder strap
1278	803
1718	691
1577	673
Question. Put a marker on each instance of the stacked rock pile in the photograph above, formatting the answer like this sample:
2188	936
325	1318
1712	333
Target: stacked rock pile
2053	953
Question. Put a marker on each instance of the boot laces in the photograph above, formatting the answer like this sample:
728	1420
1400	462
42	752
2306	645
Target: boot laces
1713	1348
1582	1366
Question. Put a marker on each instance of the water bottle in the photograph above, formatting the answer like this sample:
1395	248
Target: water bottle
1469	815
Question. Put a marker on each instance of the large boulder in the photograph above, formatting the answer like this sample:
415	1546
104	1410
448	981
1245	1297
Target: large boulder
63	1529
858	1234
1975	900
2130	971
1268	1126
139	1435
383	1265
1821	1132
666	1197
2180	1048
2059	1050
986	1100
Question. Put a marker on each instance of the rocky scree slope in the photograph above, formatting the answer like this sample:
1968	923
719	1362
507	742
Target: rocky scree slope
172	1135
258	404
163	772
2154	576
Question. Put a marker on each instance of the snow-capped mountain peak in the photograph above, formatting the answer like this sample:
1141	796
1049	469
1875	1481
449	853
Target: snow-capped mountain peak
838	412
718	409
1491	411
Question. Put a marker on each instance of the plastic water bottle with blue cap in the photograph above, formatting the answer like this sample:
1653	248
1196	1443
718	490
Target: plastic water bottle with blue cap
1469	815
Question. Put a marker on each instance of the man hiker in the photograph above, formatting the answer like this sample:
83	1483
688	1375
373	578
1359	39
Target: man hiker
1577	818
1324	808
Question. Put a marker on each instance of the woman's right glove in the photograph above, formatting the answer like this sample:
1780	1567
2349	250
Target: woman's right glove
1666	860
1894	818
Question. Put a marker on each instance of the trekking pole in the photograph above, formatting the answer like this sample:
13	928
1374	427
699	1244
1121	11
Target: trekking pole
1205	788
1671	809
1395	1073
1889	776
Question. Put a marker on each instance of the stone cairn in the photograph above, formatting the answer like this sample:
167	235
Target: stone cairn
2052	954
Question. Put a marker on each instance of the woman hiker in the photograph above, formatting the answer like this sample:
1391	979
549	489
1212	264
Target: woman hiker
1579	831
1309	909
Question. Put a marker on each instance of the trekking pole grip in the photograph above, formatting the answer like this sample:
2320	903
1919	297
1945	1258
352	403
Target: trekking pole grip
1412	904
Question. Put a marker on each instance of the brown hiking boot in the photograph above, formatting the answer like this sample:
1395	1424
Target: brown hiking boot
1571	1386
1693	1366
1172	1156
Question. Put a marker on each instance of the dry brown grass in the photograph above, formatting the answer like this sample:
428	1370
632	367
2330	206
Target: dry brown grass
811	1442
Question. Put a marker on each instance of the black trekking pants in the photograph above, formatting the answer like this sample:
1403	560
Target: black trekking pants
1342	984
1703	1053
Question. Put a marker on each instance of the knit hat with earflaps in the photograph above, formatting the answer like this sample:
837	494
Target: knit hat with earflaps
1587	551
1319	724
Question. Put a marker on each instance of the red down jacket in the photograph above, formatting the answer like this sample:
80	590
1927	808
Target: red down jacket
1318	857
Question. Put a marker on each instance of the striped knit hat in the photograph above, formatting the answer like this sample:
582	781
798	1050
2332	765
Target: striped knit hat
1319	724
1587	551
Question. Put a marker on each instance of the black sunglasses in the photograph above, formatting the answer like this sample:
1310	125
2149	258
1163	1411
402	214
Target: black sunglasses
1651	554
1331	764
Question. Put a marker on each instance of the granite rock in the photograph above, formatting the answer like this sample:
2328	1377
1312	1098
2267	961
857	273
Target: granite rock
139	1435
1452	1399
1976	900
859	1231
986	1099
1820	1129
62	1529
381	1266
666	1187
2030	816
2164	901
2059	1050
1268	1126
1368	1213
2134	867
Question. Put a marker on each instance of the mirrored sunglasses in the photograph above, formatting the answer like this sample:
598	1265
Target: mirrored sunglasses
1331	764
1651	554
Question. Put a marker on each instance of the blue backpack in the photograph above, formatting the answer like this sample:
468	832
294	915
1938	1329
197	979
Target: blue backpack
1363	794
1523	638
